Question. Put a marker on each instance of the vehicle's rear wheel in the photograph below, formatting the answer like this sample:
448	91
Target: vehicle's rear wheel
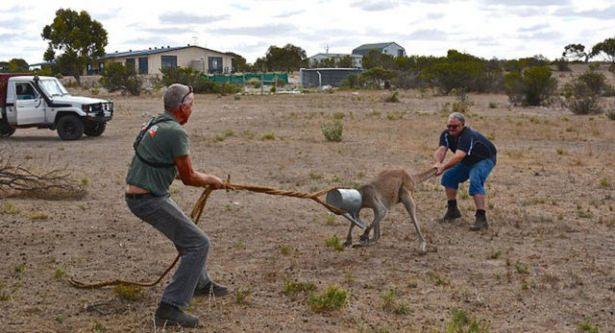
94	128
70	127
6	130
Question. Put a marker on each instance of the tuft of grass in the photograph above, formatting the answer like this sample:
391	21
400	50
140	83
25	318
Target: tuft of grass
269	136
332	299
493	105
391	304
222	136
560	151
315	175
330	220
98	327
85	181
395	115
587	326
611	114
338	115
9	208
38	216
460	322
334	243
394	98
242	296
248	134
4	295
604	182
495	255
59	273
437	279
522	268
332	130
294	288
285	250
129	293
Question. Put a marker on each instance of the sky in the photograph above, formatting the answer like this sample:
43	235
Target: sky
486	28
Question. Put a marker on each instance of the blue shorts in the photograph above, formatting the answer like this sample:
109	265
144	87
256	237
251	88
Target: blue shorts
477	173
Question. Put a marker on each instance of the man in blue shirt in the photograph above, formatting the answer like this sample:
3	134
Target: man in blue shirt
474	158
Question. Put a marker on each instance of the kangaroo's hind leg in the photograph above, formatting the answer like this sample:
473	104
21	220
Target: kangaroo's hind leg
406	198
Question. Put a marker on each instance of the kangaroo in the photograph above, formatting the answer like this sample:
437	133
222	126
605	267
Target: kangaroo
389	188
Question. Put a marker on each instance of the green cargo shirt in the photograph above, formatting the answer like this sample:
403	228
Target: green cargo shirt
161	144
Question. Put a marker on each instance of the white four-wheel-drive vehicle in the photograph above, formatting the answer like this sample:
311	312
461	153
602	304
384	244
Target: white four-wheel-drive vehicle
43	102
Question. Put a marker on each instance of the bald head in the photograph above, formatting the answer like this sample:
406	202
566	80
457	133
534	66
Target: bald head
176	95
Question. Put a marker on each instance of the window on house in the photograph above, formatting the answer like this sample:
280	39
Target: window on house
168	61
400	53
143	65
214	64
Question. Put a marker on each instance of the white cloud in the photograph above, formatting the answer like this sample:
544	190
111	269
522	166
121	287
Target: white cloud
487	28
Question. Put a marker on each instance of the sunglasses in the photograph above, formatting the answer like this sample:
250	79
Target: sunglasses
186	95
452	127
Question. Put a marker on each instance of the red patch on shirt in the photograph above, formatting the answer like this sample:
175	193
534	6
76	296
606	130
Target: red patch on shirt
152	131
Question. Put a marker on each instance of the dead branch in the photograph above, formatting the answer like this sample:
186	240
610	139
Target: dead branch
49	183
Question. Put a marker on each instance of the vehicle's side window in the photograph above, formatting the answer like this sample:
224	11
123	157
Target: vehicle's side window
25	91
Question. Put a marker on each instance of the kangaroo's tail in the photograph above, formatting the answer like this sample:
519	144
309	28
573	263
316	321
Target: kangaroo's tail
423	176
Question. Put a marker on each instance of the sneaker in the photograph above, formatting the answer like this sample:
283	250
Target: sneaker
451	214
213	288
170	315
480	223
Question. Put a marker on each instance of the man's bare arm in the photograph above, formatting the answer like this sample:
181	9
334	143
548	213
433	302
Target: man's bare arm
457	157
191	177
439	154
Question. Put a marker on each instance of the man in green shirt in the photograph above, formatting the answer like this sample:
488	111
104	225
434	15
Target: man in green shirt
161	154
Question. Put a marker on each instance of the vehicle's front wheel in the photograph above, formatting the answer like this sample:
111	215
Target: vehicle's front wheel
70	127
94	128
6	130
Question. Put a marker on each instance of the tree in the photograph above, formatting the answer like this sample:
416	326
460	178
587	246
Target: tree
79	37
116	76
575	51
375	58
606	47
238	63
288	58
17	65
345	62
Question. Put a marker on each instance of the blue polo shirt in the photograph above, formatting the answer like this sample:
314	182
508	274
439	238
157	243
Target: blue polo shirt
475	145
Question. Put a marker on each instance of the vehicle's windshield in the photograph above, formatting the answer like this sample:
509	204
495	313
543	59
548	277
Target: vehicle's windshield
53	87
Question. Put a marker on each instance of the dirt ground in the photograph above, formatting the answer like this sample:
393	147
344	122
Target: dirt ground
546	263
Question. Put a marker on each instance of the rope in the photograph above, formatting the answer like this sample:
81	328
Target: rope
196	213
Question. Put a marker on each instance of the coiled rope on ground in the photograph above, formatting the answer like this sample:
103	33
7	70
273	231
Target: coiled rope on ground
196	213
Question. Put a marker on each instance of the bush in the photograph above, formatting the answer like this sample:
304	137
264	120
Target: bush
596	82
116	77
562	65
581	99
254	82
199	83
376	77
610	114
534	87
393	98
353	81
334	298
333	130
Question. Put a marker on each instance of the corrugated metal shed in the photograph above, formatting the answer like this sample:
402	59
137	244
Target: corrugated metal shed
318	77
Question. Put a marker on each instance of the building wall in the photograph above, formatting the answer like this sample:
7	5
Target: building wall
393	50
185	58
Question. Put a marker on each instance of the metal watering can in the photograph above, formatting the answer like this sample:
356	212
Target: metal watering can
348	200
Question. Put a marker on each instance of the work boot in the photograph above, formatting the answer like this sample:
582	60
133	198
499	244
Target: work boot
452	212
170	315
480	223
213	288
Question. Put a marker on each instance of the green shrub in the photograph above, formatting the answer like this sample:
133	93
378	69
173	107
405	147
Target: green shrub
596	82
254	82
293	288
587	326
333	130
334	243
534	87
393	98
562	65
116	77
128	292
462	323
199	83
611	114
353	81
333	298
375	77
391	304
581	99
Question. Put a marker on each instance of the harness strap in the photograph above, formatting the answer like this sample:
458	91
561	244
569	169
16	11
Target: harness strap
139	138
